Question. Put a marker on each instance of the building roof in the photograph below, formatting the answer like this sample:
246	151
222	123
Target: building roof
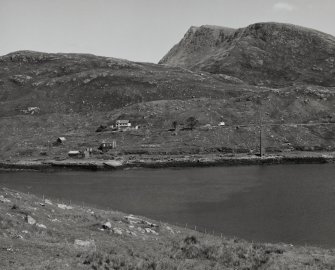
74	152
122	121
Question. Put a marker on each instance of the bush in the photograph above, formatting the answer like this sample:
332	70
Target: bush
191	122
26	152
190	240
101	128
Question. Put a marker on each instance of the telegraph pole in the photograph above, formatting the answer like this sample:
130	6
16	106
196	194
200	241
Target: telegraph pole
260	132
260	141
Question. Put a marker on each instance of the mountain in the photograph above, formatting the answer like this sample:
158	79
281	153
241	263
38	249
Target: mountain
270	54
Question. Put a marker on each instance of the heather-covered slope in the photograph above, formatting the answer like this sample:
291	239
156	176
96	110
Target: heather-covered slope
68	83
271	54
27	136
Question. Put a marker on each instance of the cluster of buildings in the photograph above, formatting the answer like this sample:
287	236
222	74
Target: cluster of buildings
120	125
104	146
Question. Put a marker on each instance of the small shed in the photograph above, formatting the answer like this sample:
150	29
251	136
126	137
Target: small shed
86	154
105	146
61	140
75	154
221	124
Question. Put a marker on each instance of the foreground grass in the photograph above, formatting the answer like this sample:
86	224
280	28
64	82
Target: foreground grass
40	234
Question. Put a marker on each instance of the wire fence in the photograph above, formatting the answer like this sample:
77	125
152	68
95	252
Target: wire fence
187	226
197	228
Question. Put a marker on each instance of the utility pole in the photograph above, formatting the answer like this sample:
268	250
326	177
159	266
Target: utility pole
260	141
260	132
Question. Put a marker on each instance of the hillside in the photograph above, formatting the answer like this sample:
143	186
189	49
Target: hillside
66	83
43	96
270	54
30	135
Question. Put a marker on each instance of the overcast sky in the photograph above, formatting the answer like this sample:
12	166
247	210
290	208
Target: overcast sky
140	30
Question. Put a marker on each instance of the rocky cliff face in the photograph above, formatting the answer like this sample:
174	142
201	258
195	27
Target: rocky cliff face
270	54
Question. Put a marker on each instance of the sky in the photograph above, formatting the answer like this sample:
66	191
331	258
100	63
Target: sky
140	30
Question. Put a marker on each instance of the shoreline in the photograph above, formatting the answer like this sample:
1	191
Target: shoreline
46	234
160	161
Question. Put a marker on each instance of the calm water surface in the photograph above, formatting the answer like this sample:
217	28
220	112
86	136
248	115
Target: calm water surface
282	203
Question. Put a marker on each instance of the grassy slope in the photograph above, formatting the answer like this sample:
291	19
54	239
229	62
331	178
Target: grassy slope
29	135
66	83
25	246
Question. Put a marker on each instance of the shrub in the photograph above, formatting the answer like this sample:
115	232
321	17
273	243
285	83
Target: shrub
191	122
190	240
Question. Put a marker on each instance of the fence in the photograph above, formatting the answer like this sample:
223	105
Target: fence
188	226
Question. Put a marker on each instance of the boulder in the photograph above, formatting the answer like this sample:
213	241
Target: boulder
136	220
20	79
148	230
55	220
4	200
47	202
64	206
107	225
85	245
41	226
117	231
30	220
141	230
169	229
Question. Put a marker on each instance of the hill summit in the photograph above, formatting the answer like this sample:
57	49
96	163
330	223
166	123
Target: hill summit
271	54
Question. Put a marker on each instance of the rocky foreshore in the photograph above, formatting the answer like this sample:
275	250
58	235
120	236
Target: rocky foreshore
43	233
165	161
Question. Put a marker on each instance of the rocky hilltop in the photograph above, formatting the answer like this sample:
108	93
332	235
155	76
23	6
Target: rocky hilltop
271	54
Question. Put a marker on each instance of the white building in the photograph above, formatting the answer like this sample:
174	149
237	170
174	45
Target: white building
122	124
